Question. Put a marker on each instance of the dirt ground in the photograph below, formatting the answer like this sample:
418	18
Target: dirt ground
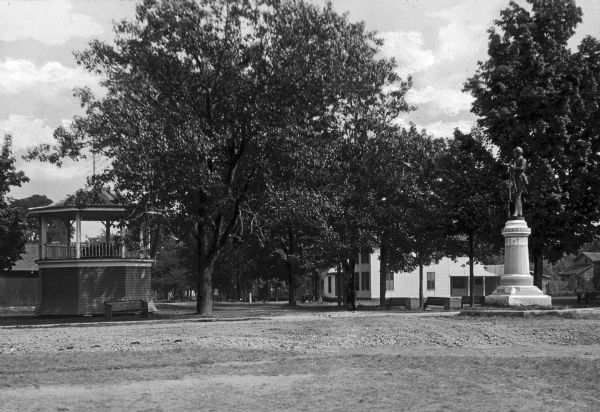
279	359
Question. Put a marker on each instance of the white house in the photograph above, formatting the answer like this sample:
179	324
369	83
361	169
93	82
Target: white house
443	278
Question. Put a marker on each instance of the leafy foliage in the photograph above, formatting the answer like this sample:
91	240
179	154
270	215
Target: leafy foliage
426	207
535	93
205	98
474	193
12	238
56	230
173	272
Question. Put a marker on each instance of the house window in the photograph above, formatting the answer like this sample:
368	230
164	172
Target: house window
356	281
389	281
365	257
430	280
366	281
329	284
459	286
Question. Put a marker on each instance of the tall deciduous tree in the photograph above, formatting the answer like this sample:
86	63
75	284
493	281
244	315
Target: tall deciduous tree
296	230
475	193
389	183
12	237
534	92
202	96
358	172
426	207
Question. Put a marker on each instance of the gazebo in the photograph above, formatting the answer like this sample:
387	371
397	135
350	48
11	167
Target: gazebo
78	277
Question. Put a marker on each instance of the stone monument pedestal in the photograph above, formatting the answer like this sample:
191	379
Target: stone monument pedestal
516	285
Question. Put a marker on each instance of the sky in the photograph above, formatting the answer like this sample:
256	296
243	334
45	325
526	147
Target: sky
437	42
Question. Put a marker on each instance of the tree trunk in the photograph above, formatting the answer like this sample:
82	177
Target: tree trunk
205	266
352	298
538	266
421	299
292	284
339	286
383	272
315	285
155	240
471	272
204	302
290	268
320	285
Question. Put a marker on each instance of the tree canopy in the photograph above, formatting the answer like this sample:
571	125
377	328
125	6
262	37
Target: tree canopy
474	192
56	229
12	238
204	97
534	92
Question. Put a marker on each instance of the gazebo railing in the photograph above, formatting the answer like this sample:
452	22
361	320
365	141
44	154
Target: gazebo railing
100	249
61	251
57	251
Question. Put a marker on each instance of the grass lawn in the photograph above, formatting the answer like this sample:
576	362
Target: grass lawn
304	360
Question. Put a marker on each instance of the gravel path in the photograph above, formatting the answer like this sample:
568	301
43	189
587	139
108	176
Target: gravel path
305	361
305	333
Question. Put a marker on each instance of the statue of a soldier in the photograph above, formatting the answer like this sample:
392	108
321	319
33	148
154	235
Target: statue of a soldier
518	180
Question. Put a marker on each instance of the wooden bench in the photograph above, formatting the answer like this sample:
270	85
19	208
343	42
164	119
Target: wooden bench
466	300
407	303
125	306
447	302
588	297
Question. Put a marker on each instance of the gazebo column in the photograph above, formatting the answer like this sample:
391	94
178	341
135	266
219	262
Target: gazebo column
143	237
67	223
109	249
78	235
107	226
122	229
43	237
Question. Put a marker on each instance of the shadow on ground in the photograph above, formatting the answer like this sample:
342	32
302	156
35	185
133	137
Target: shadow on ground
16	316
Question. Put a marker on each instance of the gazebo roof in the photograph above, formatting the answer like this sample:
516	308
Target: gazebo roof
91	205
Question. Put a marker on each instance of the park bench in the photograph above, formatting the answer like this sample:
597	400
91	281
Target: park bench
588	297
466	300
407	303
125	306
447	302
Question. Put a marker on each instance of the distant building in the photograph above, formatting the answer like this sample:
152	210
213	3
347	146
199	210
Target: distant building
19	285
443	278
580	276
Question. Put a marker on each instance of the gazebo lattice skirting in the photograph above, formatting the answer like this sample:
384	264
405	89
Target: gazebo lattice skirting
81	287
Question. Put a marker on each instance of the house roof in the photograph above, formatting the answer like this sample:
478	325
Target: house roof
497	270
593	256
576	270
28	258
93	205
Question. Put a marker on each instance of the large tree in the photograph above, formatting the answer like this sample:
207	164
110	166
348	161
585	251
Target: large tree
534	92
296	231
475	193
203	96
426	208
12	237
359	170
389	182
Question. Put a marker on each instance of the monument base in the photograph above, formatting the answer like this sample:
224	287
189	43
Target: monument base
516	287
518	297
